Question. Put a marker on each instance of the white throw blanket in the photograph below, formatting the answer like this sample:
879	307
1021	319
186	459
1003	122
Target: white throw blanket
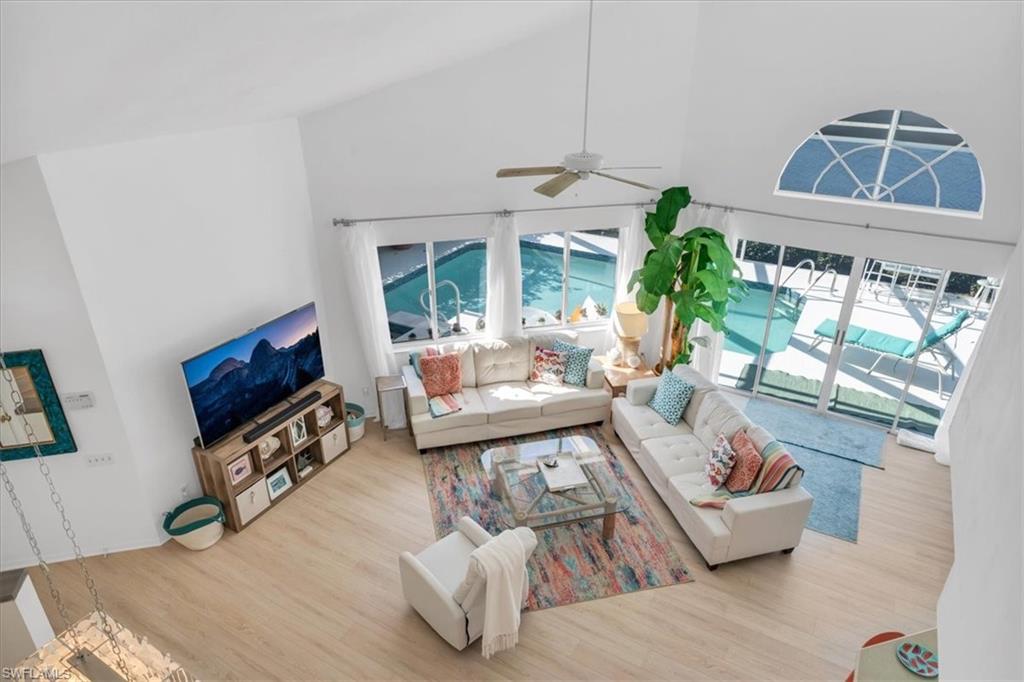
502	564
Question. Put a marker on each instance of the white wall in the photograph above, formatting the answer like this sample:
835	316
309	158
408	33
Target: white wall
981	610
770	73
180	243
433	144
42	307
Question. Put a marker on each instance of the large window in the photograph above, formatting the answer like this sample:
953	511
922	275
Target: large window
568	277
889	156
434	290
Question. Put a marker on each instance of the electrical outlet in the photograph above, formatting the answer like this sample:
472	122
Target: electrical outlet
82	400
366	390
184	492
104	459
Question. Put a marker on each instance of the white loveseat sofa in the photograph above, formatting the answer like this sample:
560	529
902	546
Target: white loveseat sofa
498	399
673	457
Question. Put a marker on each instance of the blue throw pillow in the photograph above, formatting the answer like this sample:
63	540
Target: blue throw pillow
577	359
671	397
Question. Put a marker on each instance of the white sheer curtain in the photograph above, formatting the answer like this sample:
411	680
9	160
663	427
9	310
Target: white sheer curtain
504	279
633	246
704	360
369	314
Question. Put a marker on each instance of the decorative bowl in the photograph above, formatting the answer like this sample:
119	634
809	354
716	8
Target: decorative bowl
918	659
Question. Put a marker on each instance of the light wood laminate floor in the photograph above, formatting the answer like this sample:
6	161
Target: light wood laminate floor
311	590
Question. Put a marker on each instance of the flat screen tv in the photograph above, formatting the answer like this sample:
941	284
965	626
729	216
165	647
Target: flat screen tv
233	383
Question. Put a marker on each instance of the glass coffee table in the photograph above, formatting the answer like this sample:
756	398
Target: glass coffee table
540	498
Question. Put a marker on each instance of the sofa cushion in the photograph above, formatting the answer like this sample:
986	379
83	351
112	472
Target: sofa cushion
748	463
567	398
636	423
442	374
465	351
718	415
548	367
701	388
510	400
547	340
577	361
720	462
501	360
671	397
704	526
759	436
671	456
473	413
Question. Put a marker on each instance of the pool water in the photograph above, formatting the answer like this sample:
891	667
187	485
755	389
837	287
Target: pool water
746	319
590	275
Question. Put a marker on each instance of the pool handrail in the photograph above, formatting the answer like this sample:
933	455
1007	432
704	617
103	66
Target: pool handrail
810	275
456	326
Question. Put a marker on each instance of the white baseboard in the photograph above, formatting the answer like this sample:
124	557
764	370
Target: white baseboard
8	563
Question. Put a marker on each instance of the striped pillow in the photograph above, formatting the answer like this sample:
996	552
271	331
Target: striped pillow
778	471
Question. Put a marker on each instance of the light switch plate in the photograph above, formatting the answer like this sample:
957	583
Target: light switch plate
82	400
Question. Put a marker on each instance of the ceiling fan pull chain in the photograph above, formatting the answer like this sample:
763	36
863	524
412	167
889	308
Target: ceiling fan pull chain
586	93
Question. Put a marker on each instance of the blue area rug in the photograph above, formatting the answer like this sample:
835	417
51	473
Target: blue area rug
835	484
836	437
831	452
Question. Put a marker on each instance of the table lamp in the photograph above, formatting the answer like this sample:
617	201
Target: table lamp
630	326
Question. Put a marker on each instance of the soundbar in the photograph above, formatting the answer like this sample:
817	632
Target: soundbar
275	420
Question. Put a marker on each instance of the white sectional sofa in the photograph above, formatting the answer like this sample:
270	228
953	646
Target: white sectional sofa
673	457
499	400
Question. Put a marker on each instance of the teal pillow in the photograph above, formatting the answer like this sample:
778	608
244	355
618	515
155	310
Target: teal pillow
671	397
577	359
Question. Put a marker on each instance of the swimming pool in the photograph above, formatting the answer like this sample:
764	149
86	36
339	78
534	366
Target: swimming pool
746	319
590	275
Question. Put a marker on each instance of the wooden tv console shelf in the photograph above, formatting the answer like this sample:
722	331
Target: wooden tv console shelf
249	497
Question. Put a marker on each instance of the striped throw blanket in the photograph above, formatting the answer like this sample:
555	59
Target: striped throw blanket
443	404
778	471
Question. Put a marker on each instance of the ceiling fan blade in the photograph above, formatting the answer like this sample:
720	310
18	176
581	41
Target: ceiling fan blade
606	168
534	170
557	184
628	182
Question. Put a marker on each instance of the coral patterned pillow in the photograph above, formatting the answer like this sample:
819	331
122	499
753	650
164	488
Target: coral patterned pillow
748	463
548	367
720	461
442	374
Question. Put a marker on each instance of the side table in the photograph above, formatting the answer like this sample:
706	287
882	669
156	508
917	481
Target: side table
616	377
386	384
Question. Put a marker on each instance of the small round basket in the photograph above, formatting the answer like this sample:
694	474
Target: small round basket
197	524
356	418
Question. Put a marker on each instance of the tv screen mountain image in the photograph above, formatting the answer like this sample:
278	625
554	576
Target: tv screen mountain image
236	381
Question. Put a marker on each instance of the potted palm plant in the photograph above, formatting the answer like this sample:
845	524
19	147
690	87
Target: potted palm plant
694	272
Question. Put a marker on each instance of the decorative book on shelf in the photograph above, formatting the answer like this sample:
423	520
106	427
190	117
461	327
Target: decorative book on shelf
250	478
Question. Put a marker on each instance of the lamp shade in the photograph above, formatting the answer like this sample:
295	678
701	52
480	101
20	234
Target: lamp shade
632	321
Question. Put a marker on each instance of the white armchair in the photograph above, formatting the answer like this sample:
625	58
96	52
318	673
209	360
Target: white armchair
430	580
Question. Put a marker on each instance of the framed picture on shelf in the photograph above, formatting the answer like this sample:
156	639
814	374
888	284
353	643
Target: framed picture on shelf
278	482
240	469
298	431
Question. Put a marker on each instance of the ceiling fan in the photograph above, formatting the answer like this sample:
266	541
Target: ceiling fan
578	165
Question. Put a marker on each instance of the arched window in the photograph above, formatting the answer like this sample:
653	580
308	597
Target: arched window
889	156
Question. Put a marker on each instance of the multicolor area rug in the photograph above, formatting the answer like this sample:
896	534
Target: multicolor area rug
571	563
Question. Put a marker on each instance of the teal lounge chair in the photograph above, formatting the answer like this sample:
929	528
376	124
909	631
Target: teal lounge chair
887	345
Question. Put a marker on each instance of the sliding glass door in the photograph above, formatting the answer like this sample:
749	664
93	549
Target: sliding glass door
874	339
811	289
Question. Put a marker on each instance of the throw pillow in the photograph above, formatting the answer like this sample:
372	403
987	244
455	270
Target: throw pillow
442	374
748	463
779	470
576	362
671	397
548	367
720	461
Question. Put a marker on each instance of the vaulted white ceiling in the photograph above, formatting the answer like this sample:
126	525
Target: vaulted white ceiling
76	74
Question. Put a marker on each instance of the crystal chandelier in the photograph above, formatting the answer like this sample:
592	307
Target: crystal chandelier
96	647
